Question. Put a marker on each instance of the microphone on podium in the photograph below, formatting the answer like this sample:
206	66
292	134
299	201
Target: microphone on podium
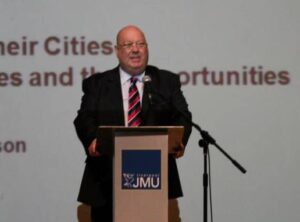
147	85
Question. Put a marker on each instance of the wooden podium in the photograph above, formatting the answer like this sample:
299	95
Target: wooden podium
140	170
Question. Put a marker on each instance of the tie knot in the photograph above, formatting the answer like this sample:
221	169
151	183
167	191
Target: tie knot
133	80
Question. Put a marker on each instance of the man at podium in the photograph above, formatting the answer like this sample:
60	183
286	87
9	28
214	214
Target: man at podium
132	94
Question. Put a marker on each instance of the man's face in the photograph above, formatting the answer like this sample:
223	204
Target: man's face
132	50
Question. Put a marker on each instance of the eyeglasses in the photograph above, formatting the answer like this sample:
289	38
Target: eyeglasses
129	45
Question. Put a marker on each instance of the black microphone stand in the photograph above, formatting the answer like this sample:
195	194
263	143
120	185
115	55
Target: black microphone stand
204	143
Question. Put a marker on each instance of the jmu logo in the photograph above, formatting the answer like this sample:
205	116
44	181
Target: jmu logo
141	169
141	181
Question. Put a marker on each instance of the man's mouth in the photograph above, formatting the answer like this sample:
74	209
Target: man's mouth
135	58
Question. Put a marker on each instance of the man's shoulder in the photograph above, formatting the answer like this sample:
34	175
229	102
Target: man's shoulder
100	76
162	73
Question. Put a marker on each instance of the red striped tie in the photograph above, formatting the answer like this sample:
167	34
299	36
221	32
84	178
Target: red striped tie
134	105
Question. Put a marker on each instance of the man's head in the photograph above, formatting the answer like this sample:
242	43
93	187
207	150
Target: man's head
132	50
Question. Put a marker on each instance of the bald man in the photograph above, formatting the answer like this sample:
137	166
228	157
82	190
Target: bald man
105	102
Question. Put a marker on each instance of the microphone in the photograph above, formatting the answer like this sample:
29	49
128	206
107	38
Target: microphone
147	85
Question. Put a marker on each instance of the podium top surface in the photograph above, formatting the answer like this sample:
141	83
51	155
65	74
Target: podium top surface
141	128
106	134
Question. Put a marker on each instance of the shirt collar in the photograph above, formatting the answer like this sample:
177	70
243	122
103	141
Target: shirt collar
125	76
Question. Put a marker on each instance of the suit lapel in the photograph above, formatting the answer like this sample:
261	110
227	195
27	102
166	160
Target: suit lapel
146	106
115	96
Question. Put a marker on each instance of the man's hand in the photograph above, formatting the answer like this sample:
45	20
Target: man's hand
92	149
179	151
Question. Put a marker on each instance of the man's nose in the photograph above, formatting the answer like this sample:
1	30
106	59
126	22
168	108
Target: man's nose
135	48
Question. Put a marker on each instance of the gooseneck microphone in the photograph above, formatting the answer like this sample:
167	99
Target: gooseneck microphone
148	88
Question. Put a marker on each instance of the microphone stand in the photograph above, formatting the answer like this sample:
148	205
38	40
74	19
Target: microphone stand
204	143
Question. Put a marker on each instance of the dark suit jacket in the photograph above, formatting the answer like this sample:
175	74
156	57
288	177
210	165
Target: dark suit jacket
102	104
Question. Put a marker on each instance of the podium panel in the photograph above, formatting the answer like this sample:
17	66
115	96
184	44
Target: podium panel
141	178
140	169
